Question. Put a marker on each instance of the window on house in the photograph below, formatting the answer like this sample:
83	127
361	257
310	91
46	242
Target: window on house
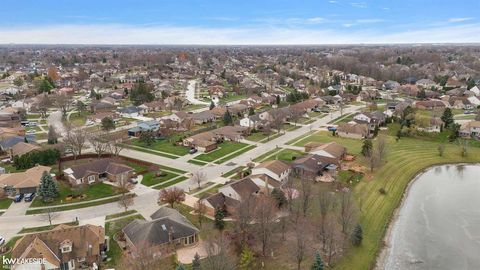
66	249
91	179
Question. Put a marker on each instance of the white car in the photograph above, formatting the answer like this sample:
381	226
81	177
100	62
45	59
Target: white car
2	241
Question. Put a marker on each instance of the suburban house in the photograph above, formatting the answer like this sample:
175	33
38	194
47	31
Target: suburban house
372	119
203	117
470	129
229	196
23	182
65	247
167	228
102	107
98	171
332	151
207	141
270	174
151	125
353	130
252	121
430	105
309	166
433	124
22	148
10	120
130	112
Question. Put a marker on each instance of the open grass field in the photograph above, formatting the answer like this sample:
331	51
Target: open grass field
96	191
405	159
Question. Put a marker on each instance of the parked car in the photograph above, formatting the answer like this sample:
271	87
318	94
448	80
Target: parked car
32	124
29	197
331	128
134	180
2	240
18	198
192	151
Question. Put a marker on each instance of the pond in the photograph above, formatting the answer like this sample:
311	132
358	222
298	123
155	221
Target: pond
438	224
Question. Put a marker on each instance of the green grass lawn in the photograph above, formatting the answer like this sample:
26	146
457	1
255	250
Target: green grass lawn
197	162
234	171
349	177
405	159
265	155
121	214
5	203
257	136
236	154
111	228
149	179
164	146
232	97
78	118
45	228
286	155
95	191
223	149
171	183
67	207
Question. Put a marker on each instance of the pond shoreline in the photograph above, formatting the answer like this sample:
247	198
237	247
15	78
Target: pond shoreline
383	252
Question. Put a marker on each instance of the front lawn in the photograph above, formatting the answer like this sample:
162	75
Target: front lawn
223	149
149	179
257	136
171	182
5	203
92	192
166	146
286	155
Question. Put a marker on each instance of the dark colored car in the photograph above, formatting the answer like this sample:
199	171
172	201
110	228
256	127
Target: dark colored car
29	197
192	151
18	198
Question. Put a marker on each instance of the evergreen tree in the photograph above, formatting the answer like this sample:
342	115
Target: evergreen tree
180	267
357	235
279	196
219	216
25	140
447	117
196	262
147	137
251	111
277	99
48	189
227	118
108	124
421	94
367	147
247	260
212	105
318	264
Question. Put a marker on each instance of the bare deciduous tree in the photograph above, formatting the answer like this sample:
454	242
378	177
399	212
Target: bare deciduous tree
49	214
126	199
301	235
63	102
99	142
198	178
347	210
326	202
244	214
75	139
171	196
265	215
218	254
200	209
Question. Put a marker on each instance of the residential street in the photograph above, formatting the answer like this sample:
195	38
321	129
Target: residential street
146	200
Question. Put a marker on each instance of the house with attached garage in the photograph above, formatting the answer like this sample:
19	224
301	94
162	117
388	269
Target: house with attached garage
23	182
166	231
270	174
65	247
144	126
98	171
372	119
332	151
470	129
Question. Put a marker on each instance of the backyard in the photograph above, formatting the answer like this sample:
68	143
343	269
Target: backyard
405	159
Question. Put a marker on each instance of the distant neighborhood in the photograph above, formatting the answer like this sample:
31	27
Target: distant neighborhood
220	158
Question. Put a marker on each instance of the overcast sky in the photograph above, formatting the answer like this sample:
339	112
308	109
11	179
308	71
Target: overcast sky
239	22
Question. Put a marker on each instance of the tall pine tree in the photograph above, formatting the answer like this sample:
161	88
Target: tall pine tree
318	264
247	260
196	262
219	216
357	235
48	189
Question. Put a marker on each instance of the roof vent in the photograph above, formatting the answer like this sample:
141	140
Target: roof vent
164	227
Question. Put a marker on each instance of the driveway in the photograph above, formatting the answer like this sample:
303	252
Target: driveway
17	209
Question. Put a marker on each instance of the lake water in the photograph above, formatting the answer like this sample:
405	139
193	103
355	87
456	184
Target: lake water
439	223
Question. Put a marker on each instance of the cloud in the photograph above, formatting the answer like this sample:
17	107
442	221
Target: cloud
455	20
358	4
333	1
264	35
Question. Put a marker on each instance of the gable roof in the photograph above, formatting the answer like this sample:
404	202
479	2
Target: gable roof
86	241
26	179
98	166
275	166
22	148
332	148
